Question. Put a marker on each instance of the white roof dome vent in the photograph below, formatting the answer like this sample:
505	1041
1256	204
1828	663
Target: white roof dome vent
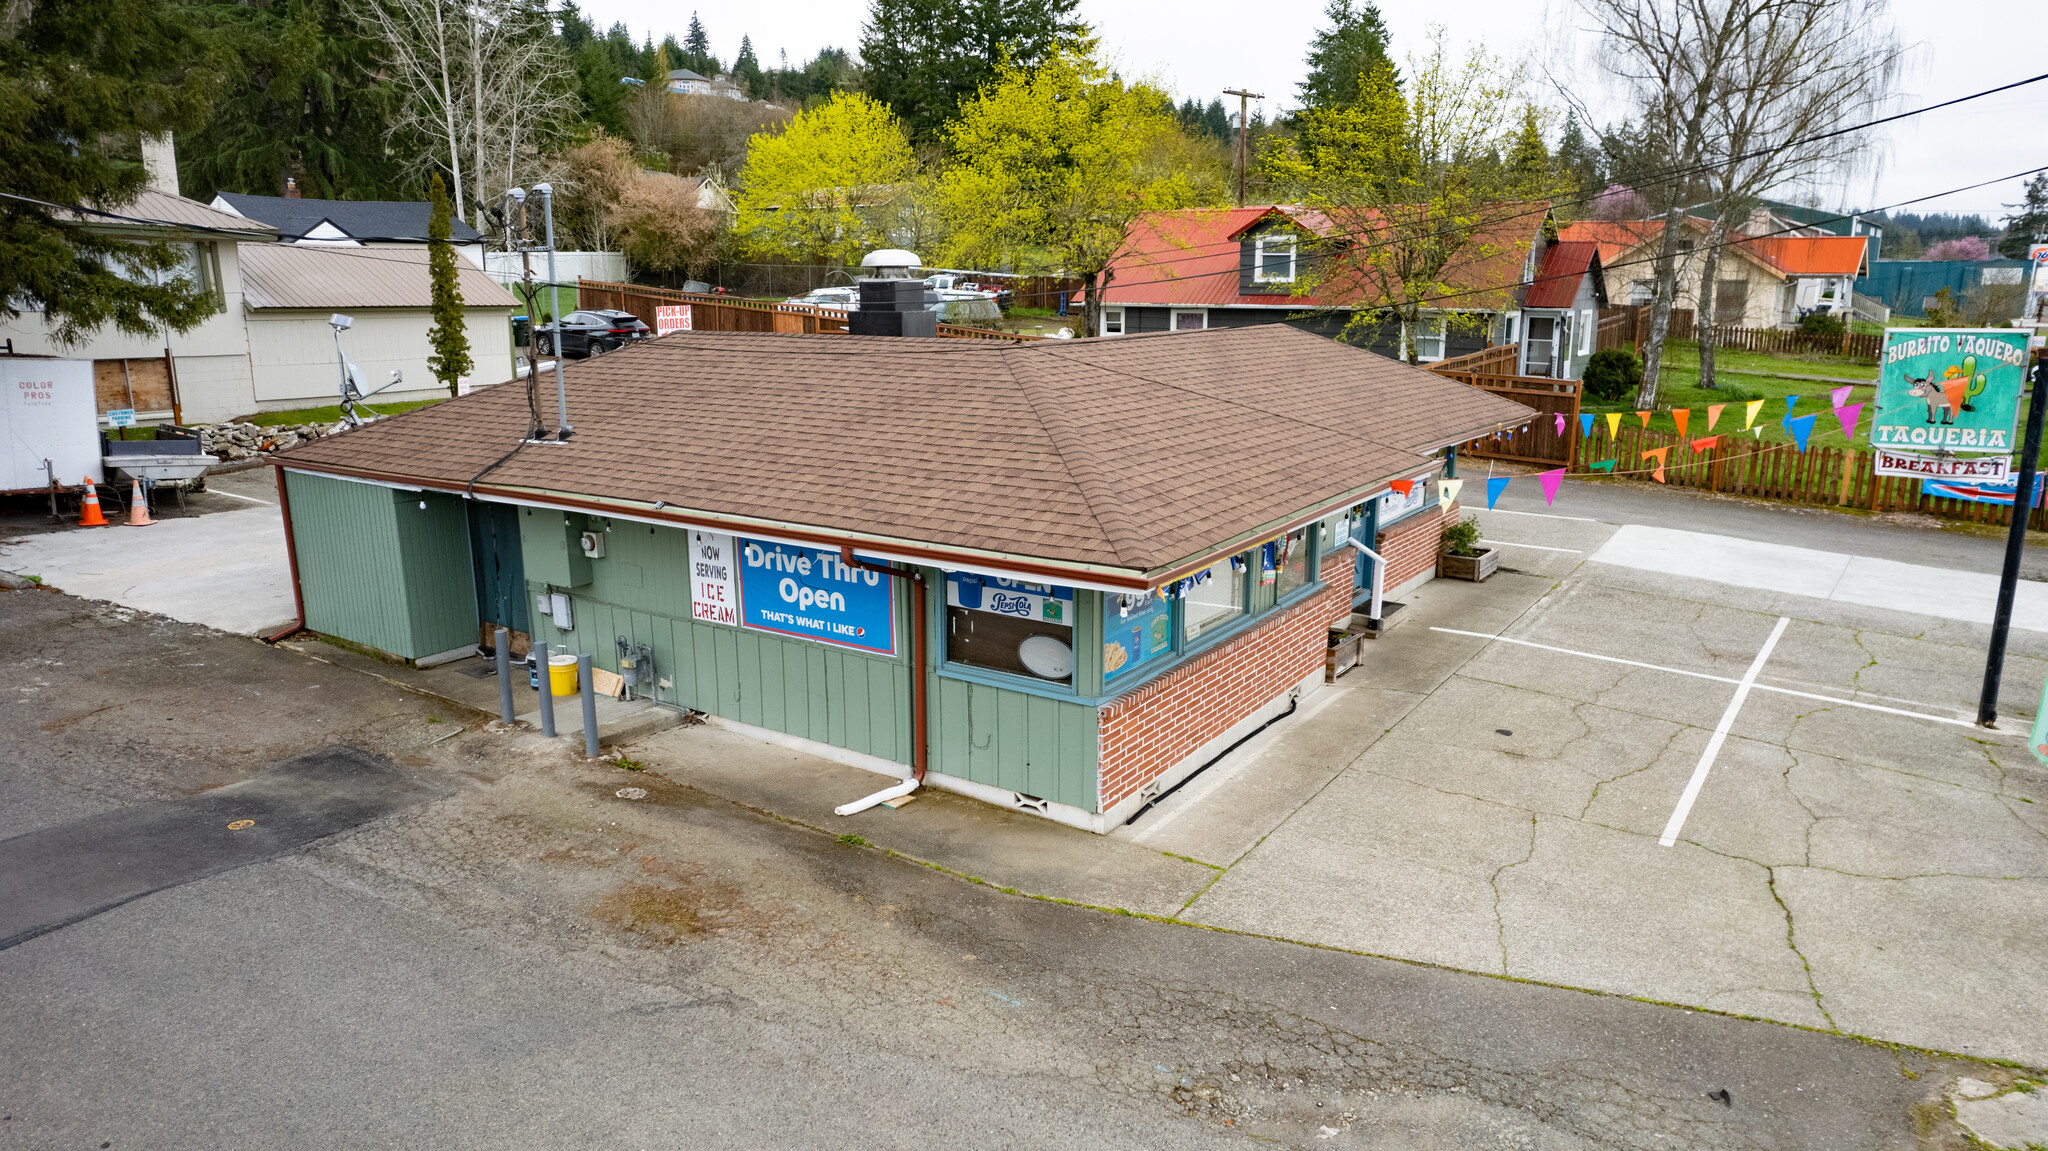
890	263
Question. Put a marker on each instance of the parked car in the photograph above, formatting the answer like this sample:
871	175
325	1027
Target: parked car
591	332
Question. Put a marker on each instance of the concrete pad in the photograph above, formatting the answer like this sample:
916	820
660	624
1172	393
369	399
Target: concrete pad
1921	590
1609	910
1004	848
2016	1120
1874	822
618	721
1746	810
1379	865
1952	963
227	570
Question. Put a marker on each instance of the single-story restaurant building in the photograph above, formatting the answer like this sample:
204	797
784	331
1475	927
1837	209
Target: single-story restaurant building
1055	576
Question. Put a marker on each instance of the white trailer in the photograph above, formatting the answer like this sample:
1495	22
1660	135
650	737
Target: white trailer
49	424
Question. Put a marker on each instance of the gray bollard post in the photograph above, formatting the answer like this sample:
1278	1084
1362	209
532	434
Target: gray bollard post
589	693
547	696
501	641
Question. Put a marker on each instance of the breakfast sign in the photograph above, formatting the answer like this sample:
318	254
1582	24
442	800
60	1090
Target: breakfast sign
1946	397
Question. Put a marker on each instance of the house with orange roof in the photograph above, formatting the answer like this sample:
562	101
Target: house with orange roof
1768	276
1197	268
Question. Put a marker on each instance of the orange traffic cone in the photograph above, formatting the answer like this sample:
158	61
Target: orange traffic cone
89	513
138	508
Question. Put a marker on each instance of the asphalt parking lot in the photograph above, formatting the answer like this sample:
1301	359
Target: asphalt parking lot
1549	776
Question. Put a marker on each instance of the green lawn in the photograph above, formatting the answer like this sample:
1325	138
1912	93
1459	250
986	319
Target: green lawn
1680	387
328	414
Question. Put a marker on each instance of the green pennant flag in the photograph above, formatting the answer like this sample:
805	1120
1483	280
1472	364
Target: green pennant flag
1603	466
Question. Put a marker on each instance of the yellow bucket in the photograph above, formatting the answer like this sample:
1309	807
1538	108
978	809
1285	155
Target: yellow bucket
562	674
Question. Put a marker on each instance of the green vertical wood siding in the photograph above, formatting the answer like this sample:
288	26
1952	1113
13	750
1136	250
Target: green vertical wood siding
377	569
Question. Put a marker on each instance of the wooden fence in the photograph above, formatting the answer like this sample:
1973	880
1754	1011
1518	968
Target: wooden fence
1782	340
735	314
1498	360
1537	442
1818	477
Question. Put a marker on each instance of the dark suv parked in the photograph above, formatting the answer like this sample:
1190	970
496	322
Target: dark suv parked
591	332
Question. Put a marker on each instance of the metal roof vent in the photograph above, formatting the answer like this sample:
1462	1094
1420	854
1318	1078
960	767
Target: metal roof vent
890	264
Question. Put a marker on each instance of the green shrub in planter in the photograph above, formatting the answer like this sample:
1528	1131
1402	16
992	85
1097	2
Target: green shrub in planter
1462	538
1612	373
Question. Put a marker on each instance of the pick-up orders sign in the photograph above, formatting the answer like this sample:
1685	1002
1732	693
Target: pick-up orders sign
810	594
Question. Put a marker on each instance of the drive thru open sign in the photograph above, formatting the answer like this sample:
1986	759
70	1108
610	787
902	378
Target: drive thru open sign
1945	392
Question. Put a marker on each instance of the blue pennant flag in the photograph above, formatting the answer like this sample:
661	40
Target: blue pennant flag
1801	428
1790	403
1586	423
1494	487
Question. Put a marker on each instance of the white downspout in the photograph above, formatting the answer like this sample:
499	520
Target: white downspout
882	796
1379	575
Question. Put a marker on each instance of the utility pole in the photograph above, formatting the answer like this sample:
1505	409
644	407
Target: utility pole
2015	542
1244	100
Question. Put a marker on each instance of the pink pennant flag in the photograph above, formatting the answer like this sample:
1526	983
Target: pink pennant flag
1849	415
1841	394
1560	423
1551	481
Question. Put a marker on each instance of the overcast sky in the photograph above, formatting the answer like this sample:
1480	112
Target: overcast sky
1200	47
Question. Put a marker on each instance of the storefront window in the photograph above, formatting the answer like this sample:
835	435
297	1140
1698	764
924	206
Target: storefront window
1007	625
1292	562
1136	629
1216	597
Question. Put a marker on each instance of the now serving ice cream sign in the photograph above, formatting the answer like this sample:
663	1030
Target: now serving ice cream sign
809	593
1949	391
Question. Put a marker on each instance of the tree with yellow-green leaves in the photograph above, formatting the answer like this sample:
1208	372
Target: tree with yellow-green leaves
821	188
1428	217
1050	166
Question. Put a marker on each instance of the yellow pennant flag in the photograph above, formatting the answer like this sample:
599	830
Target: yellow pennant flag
1714	415
1447	493
1754	406
1681	417
1613	424
1659	454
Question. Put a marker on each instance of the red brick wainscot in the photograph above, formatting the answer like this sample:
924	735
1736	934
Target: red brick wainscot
1155	727
1411	546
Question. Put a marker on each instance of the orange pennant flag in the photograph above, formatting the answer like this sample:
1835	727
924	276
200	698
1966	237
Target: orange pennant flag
1645	417
1403	486
1714	415
1681	417
1660	453
1613	424
1705	444
1957	389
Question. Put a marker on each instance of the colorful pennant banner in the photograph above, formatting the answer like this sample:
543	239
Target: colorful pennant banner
1447	493
1841	395
1658	454
1754	407
1603	466
1714	415
1801	428
1586	423
1848	416
1613	424
1645	417
1681	416
1706	444
1494	487
1551	481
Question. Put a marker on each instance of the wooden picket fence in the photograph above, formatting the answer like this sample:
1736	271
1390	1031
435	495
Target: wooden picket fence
1818	477
1537	442
736	314
1498	360
1775	340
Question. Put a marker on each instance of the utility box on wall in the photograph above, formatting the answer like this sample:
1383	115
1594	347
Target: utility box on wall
551	544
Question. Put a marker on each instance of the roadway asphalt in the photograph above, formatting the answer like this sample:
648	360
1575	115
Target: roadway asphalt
533	960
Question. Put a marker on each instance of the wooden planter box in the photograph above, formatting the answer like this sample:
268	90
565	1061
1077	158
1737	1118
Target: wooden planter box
1474	568
1343	655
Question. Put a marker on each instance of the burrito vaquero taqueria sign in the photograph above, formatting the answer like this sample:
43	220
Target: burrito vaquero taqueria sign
1944	392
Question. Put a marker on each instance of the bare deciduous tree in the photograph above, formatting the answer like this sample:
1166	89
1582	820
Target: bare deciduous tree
1725	88
478	80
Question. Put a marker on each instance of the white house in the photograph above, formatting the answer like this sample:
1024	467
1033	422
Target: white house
349	223
684	82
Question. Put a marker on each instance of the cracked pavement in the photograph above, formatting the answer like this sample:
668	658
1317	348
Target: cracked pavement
1497	807
535	961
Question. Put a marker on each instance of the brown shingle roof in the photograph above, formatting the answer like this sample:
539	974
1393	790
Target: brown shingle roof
1137	454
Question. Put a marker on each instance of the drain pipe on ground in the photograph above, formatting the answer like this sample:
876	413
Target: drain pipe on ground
918	723
1379	571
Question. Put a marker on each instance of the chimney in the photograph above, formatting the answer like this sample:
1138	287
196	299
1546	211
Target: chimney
1760	222
892	304
291	188
160	160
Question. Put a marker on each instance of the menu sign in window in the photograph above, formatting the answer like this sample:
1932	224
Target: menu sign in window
1135	629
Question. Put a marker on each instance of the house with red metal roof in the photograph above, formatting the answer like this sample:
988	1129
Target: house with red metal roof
1761	280
1196	268
1560	310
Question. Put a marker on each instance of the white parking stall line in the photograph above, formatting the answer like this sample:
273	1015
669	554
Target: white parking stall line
1720	736
1534	547
233	496
1716	678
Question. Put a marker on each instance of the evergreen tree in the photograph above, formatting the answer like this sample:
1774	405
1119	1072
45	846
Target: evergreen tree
924	57
695	51
302	100
1578	162
80	82
1528	160
449	337
2028	225
1216	121
746	71
600	62
1342	55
